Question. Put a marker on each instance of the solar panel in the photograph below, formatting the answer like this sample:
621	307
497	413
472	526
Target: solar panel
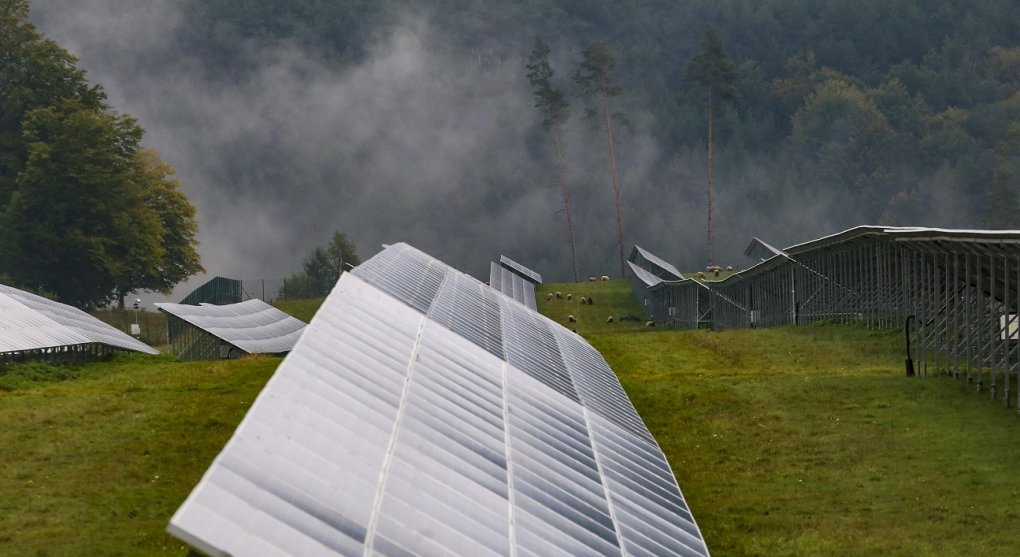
646	277
474	426
657	266
253	325
520	270
31	322
512	285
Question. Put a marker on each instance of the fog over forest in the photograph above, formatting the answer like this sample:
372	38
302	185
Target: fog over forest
419	141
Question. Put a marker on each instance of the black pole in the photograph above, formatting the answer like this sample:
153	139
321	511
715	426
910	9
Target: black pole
906	334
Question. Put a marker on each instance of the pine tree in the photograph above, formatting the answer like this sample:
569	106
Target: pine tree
555	111
594	81
715	73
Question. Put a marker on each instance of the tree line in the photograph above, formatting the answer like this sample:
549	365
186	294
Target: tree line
883	105
87	213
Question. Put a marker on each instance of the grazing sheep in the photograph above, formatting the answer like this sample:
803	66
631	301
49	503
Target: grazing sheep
571	318
604	278
548	296
570	296
701	275
610	320
584	300
591	300
649	323
729	267
559	295
716	272
592	279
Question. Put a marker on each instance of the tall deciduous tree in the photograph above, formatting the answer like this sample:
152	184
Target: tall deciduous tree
77	222
715	74
34	73
178	258
84	214
594	81
555	109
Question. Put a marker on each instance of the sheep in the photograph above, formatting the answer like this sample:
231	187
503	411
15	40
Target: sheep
592	279
584	300
591	300
716	272
701	275
571	318
649	323
549	296
729	267
570	296
610	319
604	278
559	295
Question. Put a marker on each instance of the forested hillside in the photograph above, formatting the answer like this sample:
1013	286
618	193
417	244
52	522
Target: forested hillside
846	112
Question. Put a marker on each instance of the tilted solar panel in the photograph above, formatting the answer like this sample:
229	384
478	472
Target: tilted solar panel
472	426
520	270
31	322
511	284
253	325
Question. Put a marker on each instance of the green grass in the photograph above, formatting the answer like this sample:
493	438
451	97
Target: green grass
302	309
96	463
811	440
794	441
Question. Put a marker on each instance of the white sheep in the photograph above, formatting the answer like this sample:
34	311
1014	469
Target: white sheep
584	300
729	267
559	295
549	296
604	278
571	318
610	320
649	323
592	279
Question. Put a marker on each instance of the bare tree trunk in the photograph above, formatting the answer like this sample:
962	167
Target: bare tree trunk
612	168
561	169
709	186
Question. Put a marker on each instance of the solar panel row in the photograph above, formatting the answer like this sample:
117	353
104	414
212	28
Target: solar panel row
422	413
31	322
253	325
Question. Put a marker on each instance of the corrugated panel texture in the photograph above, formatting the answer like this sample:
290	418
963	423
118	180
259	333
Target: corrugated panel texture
472	426
31	322
512	285
520	270
253	325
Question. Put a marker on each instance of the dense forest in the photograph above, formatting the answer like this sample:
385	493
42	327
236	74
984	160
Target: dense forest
398	120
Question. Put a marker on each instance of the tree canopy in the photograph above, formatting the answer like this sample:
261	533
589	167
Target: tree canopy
86	213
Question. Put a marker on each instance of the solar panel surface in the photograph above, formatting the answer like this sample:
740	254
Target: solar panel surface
252	325
31	322
512	285
521	270
422	413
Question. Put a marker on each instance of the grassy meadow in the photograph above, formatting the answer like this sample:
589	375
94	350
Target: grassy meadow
794	441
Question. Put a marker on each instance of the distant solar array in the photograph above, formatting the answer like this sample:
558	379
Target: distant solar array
423	413
512	285
34	327
524	272
210	331
654	264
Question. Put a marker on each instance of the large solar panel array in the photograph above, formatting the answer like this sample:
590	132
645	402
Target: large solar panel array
526	273
252	325
31	322
424	413
512	285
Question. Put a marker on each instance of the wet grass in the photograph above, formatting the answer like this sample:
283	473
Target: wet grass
795	441
811	440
